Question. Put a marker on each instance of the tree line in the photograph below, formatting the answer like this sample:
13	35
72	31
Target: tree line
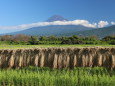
35	40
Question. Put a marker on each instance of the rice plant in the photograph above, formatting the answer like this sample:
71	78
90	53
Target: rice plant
34	76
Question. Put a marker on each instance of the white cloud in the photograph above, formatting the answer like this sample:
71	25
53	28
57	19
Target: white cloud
113	23
38	24
25	26
102	24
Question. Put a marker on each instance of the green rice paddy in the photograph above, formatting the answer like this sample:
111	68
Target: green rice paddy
33	76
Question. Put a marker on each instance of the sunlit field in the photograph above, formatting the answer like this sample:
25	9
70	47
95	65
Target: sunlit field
48	46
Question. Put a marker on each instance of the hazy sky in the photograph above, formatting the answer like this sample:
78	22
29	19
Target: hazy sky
18	12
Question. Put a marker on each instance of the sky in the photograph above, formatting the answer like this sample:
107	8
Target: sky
22	14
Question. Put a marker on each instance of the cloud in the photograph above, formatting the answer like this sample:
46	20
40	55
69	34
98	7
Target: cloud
113	23
38	24
102	24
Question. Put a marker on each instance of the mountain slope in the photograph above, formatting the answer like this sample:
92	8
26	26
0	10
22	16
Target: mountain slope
101	32
52	30
68	30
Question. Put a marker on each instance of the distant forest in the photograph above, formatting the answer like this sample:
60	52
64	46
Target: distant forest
35	40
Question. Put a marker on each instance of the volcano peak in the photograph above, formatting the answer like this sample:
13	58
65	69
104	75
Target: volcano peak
56	18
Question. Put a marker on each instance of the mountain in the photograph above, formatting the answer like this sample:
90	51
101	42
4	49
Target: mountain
66	30
52	30
100	32
56	18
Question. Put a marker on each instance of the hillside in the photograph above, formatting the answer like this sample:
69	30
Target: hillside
68	30
52	30
101	32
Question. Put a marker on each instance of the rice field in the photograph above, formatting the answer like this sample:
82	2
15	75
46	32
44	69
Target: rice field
34	76
18	72
47	46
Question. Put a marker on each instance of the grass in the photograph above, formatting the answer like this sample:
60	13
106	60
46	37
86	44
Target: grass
48	46
33	76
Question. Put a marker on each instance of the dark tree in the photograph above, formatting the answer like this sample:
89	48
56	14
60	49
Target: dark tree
33	40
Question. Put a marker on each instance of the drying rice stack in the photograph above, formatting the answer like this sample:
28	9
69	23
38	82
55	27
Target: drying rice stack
58	57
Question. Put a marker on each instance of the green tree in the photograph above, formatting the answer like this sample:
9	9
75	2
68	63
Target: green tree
43	38
108	38
33	40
